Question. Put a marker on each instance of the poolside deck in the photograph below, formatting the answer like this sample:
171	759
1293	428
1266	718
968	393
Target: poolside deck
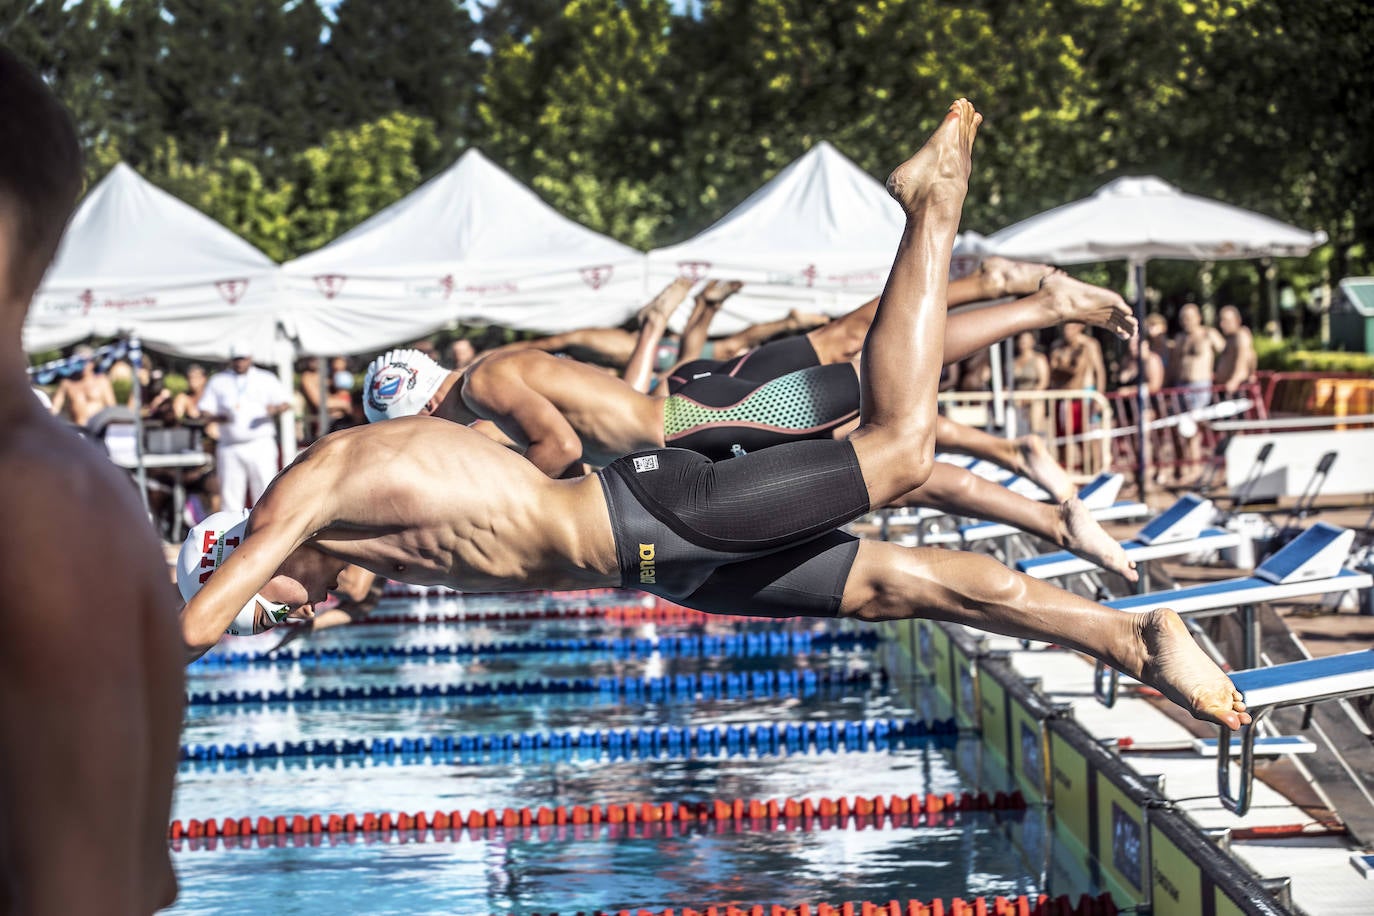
1315	811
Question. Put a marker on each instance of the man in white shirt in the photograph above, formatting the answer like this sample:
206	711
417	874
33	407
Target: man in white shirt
244	400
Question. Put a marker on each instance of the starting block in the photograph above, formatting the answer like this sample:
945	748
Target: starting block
1294	684
1312	564
1271	746
1181	529
1098	496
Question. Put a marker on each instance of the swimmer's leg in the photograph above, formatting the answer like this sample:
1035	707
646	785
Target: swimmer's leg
895	441
1067	524
887	582
1027	455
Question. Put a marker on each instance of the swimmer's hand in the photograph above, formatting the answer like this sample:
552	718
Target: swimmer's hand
294	631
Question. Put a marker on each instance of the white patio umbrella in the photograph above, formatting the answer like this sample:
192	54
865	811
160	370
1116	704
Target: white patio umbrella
1137	219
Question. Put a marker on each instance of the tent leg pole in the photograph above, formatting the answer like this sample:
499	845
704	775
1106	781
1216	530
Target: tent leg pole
1142	384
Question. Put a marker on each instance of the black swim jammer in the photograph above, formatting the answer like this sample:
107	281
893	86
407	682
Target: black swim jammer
761	364
753	535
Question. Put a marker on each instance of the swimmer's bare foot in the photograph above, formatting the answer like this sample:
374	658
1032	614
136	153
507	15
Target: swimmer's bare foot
1085	538
717	291
666	302
1004	277
1174	664
805	321
1035	462
1074	300
937	176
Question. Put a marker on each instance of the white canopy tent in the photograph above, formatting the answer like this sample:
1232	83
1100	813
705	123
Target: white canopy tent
472	245
819	236
138	261
1138	219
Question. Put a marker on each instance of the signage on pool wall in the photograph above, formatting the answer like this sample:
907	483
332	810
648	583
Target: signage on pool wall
1119	842
1127	845
1032	756
964	688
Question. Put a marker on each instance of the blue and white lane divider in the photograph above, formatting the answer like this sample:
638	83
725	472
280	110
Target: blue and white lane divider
801	682
737	644
670	742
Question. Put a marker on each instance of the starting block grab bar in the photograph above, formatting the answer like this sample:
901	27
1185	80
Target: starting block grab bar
1294	684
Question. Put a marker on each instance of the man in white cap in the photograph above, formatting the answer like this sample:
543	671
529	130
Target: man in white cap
434	503
244	400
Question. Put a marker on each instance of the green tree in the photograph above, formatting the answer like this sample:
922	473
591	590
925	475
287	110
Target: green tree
356	173
413	56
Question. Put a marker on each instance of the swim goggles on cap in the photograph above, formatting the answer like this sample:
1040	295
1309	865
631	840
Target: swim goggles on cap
245	622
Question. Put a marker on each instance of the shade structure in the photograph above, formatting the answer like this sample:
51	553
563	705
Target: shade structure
136	260
820	236
473	245
1139	219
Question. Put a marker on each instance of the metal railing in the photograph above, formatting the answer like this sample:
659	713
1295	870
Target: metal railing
1076	423
1180	437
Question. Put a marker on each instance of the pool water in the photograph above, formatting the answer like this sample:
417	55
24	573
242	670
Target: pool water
605	866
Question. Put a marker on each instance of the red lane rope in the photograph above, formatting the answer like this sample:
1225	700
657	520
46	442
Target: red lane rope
1101	905
826	813
663	612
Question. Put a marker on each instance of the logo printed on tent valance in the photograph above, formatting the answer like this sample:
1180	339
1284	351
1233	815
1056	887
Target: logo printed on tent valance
232	290
330	285
597	276
693	270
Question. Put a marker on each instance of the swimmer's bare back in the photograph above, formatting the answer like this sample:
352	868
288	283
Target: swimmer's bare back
422	500
91	679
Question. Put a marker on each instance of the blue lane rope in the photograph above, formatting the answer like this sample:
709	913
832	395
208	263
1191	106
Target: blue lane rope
736	644
778	738
803	682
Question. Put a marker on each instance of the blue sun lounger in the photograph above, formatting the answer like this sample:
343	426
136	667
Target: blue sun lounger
1183	528
1312	564
1294	684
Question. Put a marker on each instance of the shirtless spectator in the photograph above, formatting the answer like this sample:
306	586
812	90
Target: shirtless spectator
87	394
1236	364
1195	351
90	690
1128	377
1075	365
1161	345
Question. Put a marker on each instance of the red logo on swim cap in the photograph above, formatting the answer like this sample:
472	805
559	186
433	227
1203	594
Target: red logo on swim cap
388	383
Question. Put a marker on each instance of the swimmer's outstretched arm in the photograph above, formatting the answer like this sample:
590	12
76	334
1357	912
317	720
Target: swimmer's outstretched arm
294	508
528	418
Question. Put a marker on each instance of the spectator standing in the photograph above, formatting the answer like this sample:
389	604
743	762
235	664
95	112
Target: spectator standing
1157	332
1195	351
244	400
87	394
1030	371
1076	364
1236	364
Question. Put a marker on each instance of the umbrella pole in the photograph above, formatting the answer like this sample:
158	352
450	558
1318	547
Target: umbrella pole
1142	385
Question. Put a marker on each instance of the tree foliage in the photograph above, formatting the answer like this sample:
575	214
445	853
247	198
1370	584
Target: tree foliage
292	120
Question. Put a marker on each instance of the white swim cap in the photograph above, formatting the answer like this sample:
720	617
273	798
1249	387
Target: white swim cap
399	383
206	547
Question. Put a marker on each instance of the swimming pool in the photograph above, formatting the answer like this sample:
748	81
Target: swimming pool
565	714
